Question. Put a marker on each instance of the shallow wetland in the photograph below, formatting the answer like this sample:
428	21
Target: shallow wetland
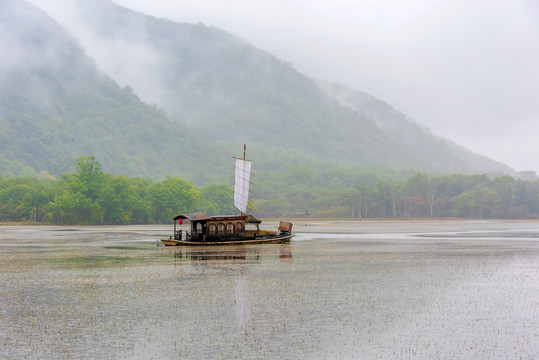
339	290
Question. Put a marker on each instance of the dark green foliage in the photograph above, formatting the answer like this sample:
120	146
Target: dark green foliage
171	197
89	196
217	200
25	198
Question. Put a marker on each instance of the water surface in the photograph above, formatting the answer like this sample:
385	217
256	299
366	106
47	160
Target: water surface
339	290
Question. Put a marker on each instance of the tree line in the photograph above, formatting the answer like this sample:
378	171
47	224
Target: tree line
87	196
411	196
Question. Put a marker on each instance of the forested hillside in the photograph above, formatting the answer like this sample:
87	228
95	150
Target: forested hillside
56	105
417	140
87	195
217	91
320	150
226	89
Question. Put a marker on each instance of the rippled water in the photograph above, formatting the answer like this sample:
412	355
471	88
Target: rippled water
376	290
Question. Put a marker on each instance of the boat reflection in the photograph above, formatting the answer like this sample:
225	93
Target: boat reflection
212	255
184	258
285	252
282	252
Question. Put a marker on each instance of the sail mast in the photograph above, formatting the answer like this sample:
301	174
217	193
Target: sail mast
241	183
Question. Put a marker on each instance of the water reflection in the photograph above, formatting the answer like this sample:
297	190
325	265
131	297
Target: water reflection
84	294
282	252
216	255
243	301
285	252
209	257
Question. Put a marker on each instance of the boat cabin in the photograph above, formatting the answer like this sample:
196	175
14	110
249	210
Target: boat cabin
209	228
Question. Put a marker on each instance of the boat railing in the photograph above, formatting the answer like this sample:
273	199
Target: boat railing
178	235
226	236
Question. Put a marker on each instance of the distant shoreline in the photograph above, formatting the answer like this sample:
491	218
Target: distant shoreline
327	226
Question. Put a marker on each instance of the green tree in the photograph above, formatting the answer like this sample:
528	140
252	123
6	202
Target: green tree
170	197
23	199
118	199
74	208
89	175
78	203
216	199
504	188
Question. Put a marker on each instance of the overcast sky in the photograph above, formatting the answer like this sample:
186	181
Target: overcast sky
468	70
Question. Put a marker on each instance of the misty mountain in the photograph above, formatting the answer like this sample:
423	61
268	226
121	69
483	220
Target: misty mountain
226	89
56	105
411	136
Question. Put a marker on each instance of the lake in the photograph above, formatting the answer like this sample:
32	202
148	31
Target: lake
339	290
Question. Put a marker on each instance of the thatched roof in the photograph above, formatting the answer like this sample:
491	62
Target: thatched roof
197	216
252	220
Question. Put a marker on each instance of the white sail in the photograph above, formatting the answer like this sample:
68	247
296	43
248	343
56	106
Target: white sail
241	184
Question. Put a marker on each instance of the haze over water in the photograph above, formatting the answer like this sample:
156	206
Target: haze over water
339	290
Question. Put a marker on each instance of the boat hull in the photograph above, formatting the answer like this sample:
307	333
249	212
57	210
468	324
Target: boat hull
273	239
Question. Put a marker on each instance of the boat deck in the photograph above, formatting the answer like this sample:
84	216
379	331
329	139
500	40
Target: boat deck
265	239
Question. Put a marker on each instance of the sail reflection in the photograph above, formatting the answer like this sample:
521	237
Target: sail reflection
244	256
243	300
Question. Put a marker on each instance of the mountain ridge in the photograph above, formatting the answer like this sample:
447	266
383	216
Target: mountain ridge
405	131
56	105
270	91
218	90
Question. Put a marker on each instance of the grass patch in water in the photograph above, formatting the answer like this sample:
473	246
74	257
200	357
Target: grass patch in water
128	248
92	261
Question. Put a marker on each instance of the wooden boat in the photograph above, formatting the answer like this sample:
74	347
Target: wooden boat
267	239
227	229
224	230
277	240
